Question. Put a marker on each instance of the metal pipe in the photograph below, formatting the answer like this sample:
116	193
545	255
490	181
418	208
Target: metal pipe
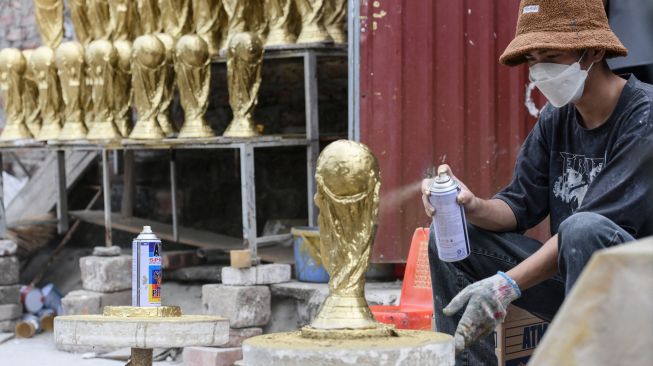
62	202
173	189
354	46
106	191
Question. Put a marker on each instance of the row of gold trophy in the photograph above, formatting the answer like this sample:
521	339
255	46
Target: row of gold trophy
76	92
277	22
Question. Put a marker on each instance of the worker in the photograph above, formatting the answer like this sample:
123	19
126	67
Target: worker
587	164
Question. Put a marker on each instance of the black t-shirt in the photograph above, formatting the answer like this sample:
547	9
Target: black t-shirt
564	168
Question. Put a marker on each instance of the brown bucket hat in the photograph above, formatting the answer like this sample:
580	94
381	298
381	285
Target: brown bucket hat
561	25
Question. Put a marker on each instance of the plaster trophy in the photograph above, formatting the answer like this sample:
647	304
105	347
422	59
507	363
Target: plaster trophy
176	17
50	102
31	97
279	15
122	87
149	70
207	16
169	85
69	58
12	85
244	61
348	183
149	16
49	17
81	22
335	19
125	24
101	58
193	70
100	18
237	12
311	13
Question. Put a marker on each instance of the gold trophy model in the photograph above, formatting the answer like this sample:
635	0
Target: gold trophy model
31	97
193	70
81	22
348	183
149	16
50	102
312	16
237	12
12	85
122	87
69	58
176	17
125	24
169	86
100	18
279	14
335	19
49	17
207	16
101	58
149	70
87	95
244	61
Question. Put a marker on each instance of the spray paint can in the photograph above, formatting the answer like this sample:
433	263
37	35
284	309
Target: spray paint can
449	221
146	269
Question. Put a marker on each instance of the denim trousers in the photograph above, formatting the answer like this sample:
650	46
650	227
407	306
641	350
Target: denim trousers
579	236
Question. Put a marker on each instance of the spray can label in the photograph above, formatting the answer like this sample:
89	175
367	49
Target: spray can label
147	274
450	225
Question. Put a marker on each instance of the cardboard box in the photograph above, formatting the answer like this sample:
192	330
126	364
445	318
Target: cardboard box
515	340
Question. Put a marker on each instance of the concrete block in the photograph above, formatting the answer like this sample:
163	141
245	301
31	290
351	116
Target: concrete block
9	270
106	274
10	311
208	356
112	251
9	294
244	306
7	248
8	325
237	336
83	302
210	274
264	274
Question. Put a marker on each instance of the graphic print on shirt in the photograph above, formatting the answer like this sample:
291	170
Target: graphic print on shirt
578	172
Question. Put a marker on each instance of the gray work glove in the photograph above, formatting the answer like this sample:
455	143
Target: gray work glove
487	302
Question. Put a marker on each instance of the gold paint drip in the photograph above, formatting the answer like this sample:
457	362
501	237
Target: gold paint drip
50	101
49	18
312	15
69	58
12	85
142	312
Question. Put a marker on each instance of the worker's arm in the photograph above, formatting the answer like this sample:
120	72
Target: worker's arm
493	214
537	268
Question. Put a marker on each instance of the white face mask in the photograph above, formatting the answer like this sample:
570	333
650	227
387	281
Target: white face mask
560	83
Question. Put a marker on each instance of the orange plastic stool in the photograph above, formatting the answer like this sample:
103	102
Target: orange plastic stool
415	308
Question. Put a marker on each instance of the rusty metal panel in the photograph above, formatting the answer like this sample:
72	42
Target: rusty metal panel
433	91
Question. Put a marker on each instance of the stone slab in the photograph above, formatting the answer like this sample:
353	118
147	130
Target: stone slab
238	336
263	274
211	274
10	312
244	306
9	270
409	348
8	325
112	251
10	294
164	332
84	302
106	274
208	356
7	248
6	336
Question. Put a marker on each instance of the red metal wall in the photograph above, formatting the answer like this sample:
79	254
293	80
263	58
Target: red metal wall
433	91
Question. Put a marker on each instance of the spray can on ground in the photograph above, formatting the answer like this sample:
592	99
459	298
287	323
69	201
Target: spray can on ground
146	269
449	221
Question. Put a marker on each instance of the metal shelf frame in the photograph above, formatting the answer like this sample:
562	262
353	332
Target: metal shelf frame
246	147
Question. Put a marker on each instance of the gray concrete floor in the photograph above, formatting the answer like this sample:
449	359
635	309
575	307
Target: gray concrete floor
40	350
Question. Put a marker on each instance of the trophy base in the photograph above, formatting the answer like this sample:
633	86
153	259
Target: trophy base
73	130
314	33
338	34
124	127
103	130
195	129
280	37
345	312
241	127
165	124
15	131
34	128
50	131
147	130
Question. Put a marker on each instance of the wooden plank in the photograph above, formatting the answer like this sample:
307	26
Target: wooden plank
188	236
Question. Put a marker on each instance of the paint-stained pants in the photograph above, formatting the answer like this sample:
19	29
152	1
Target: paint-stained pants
579	236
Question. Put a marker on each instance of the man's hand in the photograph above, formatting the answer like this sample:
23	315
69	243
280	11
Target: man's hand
465	197
488	300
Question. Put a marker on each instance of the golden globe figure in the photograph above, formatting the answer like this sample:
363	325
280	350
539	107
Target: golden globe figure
49	18
122	87
50	101
31	97
12	85
312	16
193	70
244	62
69	58
101	58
